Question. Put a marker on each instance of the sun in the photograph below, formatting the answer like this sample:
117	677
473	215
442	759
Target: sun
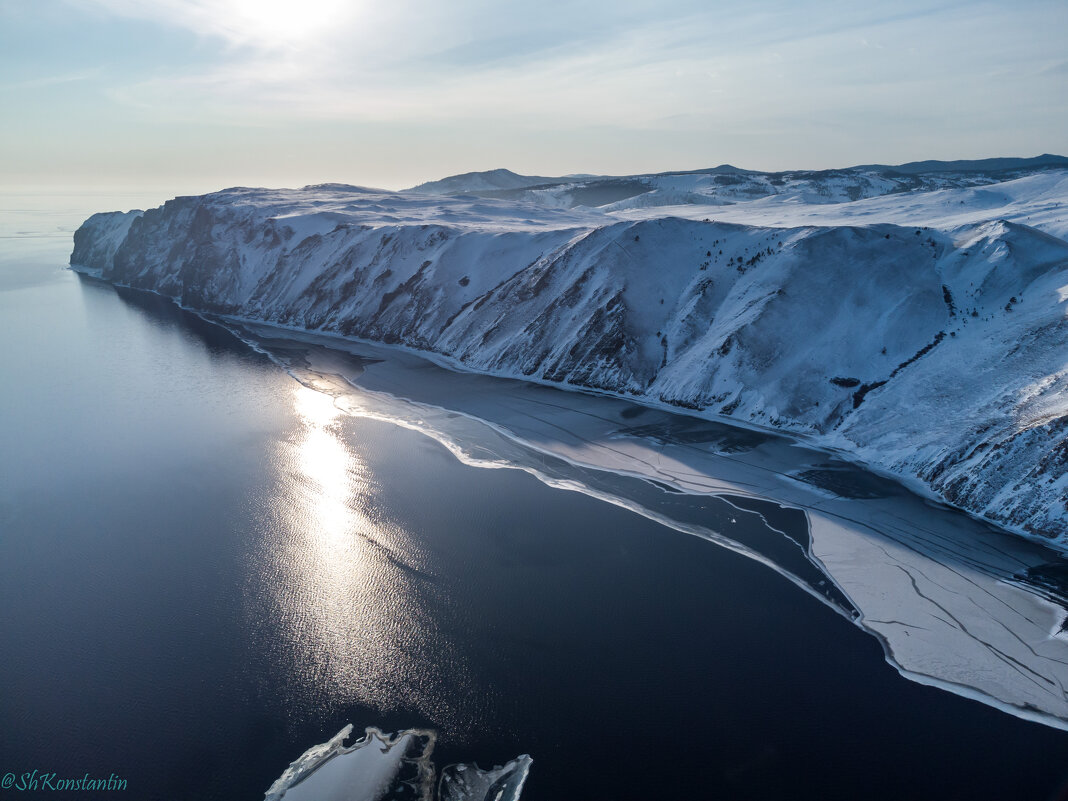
285	22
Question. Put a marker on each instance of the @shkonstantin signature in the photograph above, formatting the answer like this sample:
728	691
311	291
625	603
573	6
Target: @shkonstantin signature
43	780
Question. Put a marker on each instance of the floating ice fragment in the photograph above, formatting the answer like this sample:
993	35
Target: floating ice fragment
469	783
392	767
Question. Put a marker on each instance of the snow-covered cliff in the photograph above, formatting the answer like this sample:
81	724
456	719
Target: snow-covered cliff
933	350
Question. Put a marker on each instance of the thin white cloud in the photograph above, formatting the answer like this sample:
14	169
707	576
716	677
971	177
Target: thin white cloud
633	78
51	80
267	24
763	77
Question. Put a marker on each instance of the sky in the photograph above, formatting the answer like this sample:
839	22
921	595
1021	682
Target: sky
202	94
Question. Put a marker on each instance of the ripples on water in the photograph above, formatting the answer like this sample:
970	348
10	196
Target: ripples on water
347	591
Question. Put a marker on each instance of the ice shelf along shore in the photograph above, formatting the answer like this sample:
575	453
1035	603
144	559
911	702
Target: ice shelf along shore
955	602
913	318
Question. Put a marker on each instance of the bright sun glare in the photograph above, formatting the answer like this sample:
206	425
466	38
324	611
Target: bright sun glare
284	21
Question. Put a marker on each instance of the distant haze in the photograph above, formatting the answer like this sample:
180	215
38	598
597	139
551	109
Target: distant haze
201	94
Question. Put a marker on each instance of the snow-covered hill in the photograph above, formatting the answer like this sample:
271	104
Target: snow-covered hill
922	331
727	185
485	181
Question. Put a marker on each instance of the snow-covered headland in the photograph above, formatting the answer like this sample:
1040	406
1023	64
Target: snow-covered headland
913	318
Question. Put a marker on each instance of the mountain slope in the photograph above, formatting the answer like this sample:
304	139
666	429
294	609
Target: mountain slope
935	354
1046	160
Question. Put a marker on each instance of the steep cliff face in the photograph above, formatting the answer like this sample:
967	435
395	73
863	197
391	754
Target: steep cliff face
96	241
937	354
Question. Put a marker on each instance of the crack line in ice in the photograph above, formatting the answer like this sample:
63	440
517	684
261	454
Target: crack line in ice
1020	666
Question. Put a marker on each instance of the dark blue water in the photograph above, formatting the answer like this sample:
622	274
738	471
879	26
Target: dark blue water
205	569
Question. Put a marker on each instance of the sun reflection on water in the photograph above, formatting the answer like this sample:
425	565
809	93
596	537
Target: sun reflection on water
330	473
345	587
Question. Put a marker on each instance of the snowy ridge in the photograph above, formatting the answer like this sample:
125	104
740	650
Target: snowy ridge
935	352
486	181
727	185
1039	201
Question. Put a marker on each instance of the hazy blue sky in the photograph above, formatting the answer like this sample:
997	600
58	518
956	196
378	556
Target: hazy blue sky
198	94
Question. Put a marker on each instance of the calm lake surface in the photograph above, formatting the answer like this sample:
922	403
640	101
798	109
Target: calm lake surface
205	568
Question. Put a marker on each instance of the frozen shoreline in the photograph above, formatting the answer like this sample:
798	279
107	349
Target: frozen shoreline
956	603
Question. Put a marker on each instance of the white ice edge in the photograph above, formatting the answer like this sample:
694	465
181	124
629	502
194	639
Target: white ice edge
697	531
817	517
914	484
1058	719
